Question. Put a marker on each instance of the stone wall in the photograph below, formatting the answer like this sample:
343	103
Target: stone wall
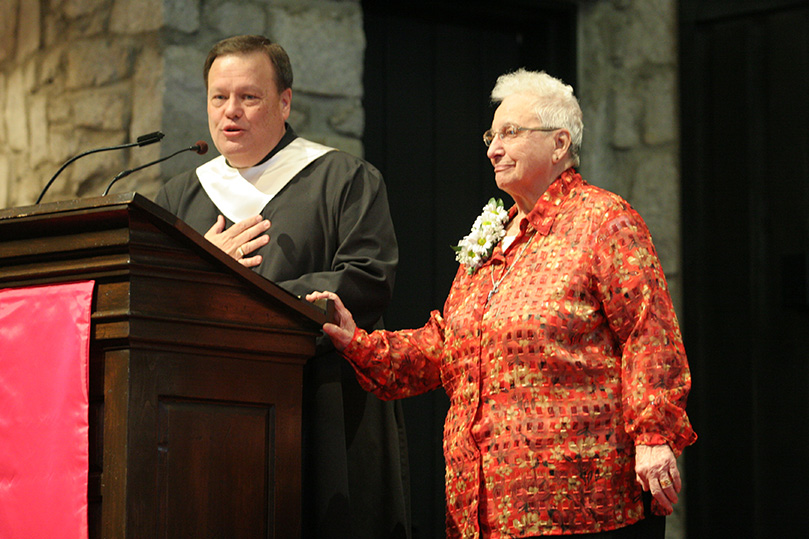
628	89
629	95
82	74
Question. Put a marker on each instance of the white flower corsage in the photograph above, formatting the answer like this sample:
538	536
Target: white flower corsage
488	230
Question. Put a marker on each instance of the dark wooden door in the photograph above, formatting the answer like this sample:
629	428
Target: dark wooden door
745	165
430	66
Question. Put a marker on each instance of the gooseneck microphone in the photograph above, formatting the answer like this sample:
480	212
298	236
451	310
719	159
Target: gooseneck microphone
143	140
201	147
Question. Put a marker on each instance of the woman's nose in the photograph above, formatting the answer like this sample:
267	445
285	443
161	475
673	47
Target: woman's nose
495	148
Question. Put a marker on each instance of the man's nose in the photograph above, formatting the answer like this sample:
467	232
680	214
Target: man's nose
233	108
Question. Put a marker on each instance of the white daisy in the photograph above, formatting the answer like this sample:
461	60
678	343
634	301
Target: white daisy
487	231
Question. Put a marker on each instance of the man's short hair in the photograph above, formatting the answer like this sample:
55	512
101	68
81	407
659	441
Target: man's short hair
246	44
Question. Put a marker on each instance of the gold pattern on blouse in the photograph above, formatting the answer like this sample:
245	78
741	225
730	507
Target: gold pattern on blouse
576	358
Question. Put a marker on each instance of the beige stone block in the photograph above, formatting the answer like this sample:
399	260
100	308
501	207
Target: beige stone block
326	44
148	92
91	174
5	180
136	16
184	118
107	108
643	32
660	123
29	31
38	121
59	109
15	106
344	116
63	143
348	118
656	196
73	9
50	69
91	25
26	184
8	29
29	76
299	116
95	62
626	112
234	18
182	15
655	23
3	82
594	43
53	29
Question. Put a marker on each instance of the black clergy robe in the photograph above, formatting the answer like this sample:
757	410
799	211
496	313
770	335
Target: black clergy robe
331	230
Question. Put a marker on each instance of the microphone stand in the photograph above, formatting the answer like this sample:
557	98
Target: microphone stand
199	147
143	140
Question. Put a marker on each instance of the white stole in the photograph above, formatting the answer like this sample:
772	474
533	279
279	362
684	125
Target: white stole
243	193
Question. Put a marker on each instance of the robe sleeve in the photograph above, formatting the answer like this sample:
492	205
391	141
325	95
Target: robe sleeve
365	255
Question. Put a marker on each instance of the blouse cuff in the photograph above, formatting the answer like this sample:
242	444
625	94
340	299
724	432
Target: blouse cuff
651	439
356	344
677	443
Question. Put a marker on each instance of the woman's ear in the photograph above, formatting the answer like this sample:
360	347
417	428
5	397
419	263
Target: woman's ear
561	146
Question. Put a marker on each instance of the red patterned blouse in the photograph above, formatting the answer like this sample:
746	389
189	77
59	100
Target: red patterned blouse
553	378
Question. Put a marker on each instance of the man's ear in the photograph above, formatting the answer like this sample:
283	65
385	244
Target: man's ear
286	103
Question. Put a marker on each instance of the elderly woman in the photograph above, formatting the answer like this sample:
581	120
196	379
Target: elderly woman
558	346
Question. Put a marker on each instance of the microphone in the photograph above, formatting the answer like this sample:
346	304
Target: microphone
142	140
201	147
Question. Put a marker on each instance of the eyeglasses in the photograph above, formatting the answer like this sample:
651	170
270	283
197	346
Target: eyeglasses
510	132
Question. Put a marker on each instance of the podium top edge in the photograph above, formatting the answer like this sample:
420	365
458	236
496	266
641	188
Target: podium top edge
73	205
124	201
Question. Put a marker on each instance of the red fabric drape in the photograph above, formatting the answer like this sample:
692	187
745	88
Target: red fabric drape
44	349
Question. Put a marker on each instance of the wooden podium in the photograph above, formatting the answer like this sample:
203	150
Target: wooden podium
196	367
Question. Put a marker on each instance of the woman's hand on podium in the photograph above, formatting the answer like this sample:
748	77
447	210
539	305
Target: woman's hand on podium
341	329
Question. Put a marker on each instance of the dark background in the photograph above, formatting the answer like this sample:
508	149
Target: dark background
430	67
745	212
745	180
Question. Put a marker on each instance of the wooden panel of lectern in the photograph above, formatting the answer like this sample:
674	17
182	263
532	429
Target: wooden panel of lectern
196	368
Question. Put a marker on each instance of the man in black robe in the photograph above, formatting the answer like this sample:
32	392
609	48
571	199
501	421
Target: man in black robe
307	217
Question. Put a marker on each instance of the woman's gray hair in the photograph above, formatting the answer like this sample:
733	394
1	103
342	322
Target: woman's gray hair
555	103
